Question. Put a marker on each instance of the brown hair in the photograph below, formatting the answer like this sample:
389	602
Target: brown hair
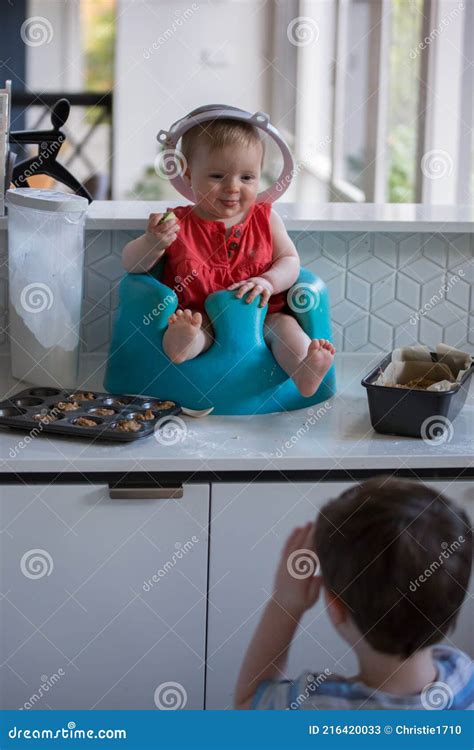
217	134
398	554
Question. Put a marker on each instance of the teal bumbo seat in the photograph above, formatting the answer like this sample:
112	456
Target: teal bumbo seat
237	374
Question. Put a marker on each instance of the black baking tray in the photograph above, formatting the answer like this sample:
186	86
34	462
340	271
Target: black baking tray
412	412
19	412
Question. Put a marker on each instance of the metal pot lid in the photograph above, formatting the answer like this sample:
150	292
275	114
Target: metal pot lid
169	140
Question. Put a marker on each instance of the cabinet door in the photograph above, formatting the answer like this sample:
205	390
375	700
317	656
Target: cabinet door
249	525
103	601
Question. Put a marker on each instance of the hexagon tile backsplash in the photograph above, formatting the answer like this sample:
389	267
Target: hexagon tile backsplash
385	290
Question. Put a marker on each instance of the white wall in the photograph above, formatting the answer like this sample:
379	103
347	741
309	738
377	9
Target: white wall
171	58
56	64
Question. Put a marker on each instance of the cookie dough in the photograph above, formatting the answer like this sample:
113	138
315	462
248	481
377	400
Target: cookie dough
45	418
163	404
68	405
84	422
128	425
145	415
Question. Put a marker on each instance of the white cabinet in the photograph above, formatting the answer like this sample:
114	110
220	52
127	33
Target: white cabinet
102	601
249	524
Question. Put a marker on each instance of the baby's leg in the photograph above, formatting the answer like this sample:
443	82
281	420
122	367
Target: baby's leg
188	334
306	361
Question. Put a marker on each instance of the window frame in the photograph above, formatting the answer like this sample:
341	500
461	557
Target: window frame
433	90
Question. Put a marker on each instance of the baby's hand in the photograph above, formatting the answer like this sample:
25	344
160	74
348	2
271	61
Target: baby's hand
162	233
296	585
255	286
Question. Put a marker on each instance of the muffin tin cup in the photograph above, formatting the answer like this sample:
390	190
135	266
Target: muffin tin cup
18	412
410	411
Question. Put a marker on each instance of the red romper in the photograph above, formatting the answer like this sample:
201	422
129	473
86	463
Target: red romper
202	260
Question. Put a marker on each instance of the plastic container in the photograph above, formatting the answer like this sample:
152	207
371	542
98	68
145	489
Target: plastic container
412	412
46	263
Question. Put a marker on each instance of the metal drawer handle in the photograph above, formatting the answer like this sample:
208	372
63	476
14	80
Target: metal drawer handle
145	493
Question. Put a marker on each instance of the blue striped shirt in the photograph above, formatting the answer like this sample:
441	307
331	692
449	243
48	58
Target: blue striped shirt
453	689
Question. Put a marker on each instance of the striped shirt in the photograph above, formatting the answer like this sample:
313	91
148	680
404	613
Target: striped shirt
453	689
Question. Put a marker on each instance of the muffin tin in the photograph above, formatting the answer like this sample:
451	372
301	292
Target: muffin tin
62	412
402	411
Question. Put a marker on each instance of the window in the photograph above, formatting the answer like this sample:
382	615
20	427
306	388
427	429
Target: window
380	94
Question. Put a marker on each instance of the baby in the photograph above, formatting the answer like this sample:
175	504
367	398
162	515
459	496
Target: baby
228	241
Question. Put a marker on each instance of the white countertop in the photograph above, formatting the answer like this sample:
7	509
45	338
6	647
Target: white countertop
335	217
340	439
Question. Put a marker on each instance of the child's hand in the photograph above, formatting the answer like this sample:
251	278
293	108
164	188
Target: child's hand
162	233
296	585
255	286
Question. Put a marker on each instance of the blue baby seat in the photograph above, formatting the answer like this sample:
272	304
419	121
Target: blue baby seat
237	374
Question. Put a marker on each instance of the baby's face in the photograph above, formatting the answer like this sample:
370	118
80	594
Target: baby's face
225	182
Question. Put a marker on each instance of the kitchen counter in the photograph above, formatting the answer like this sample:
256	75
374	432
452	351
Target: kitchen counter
151	544
335	436
321	217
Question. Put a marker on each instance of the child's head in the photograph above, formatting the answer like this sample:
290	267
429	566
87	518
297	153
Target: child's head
395	559
224	159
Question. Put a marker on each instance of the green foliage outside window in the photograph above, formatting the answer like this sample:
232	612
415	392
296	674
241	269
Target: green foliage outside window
98	30
406	22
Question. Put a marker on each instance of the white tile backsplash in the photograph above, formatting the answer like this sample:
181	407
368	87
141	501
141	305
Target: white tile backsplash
377	282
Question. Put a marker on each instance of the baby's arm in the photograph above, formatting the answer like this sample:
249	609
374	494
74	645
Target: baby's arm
282	273
286	263
266	655
141	254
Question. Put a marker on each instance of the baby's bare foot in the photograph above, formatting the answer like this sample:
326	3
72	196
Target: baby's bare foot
314	367
184	338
